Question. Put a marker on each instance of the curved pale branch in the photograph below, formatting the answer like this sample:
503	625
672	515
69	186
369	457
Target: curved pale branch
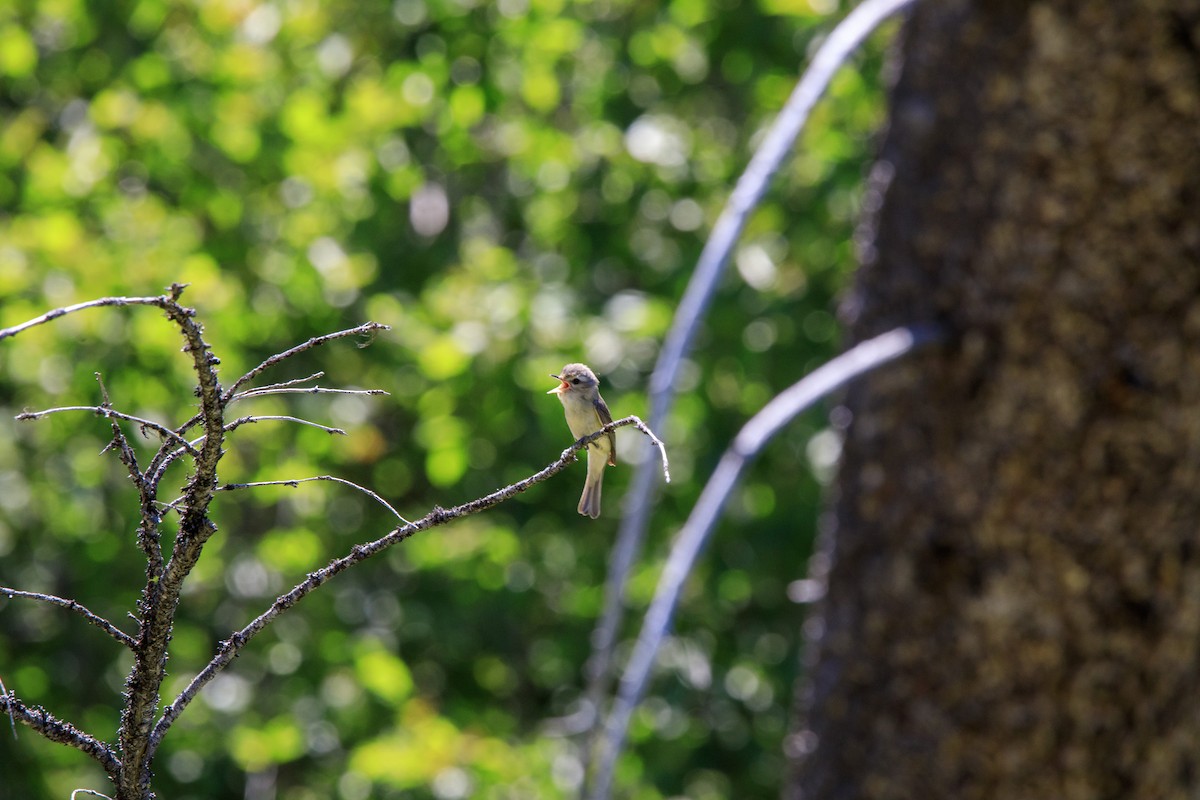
753	436
749	190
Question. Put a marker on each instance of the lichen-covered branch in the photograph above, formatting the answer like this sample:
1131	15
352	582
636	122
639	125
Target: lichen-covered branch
72	605
160	597
164	576
56	730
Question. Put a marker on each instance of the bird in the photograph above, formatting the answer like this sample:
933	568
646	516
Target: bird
579	391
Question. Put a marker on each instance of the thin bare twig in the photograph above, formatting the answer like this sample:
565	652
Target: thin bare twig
105	411
641	426
12	719
50	316
269	390
747	193
71	605
754	435
369	328
294	482
161	593
294	381
121	443
366	329
229	649
162	460
240	421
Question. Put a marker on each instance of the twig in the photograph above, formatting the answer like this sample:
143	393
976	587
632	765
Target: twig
71	605
142	686
294	381
747	193
12	720
269	390
859	360
369	328
105	411
56	730
50	316
294	482
230	648
163	459
612	426
240	421
119	441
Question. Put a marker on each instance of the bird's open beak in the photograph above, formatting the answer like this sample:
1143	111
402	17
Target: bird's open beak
562	386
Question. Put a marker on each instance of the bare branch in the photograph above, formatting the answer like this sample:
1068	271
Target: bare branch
162	460
229	649
12	718
239	422
121	444
749	190
56	730
754	435
269	390
612	426
50	316
148	537
109	413
294	381
160	463
71	605
294	482
369	328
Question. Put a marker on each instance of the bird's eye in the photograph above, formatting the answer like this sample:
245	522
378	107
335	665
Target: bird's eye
575	381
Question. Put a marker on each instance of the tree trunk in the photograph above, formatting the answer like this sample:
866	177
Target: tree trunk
1012	604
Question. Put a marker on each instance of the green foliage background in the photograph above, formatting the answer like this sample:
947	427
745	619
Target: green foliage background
510	186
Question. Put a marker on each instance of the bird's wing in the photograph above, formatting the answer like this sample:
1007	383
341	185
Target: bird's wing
605	418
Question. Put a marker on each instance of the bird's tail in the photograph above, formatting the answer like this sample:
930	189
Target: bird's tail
589	501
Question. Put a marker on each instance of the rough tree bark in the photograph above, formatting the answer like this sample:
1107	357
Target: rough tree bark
1013	583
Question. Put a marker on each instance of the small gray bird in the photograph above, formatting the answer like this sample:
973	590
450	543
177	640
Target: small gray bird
579	392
